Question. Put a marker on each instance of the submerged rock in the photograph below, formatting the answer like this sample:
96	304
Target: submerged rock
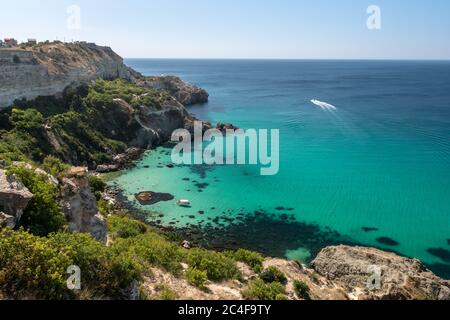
14	198
441	253
148	198
387	241
355	268
369	229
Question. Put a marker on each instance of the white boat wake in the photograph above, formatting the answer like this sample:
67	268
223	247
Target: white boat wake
323	105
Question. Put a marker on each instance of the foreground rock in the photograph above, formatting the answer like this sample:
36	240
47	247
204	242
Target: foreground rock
185	93
14	198
353	269
79	205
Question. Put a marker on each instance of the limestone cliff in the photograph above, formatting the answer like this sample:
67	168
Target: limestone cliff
49	68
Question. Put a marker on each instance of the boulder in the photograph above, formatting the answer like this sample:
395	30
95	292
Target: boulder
80	206
147	198
7	221
51	179
105	168
14	198
129	155
368	273
226	126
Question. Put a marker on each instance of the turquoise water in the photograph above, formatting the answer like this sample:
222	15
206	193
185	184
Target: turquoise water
380	161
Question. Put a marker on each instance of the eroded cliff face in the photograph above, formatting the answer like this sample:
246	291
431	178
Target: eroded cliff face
80	206
48	69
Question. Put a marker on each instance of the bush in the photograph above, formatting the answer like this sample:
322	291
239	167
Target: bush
105	273
152	249
252	259
30	268
54	166
197	277
96	184
259	290
302	290
124	227
43	214
33	267
27	120
165	293
217	265
273	274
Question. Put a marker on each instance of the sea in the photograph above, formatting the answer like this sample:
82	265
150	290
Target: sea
371	170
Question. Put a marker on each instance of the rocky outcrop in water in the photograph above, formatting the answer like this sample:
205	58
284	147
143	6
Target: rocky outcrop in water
148	198
14	198
368	273
79	205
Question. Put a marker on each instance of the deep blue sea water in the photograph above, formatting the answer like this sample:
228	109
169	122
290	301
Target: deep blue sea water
376	169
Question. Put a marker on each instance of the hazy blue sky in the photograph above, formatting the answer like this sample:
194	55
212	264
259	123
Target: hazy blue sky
411	29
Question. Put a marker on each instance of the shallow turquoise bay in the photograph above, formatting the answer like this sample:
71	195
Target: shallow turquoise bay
381	160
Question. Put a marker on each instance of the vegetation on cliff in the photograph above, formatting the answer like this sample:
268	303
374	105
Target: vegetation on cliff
85	126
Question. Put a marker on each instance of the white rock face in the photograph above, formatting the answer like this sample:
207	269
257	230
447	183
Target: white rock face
368	273
50	68
14	198
79	205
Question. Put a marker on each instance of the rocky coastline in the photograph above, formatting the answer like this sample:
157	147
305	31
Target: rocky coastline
132	124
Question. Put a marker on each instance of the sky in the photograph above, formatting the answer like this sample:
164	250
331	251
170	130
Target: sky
239	29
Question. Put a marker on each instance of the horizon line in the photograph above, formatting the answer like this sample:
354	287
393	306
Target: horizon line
299	59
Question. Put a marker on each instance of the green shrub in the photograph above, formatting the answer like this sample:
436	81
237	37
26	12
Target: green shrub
273	274
30	268
96	184
259	290
217	265
27	120
34	267
302	290
54	166
43	214
105	273
252	259
197	277
124	227
165	293
152	249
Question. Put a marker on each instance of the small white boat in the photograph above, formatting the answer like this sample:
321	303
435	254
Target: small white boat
184	203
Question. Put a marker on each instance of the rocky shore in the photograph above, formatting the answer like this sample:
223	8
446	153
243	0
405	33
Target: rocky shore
123	128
